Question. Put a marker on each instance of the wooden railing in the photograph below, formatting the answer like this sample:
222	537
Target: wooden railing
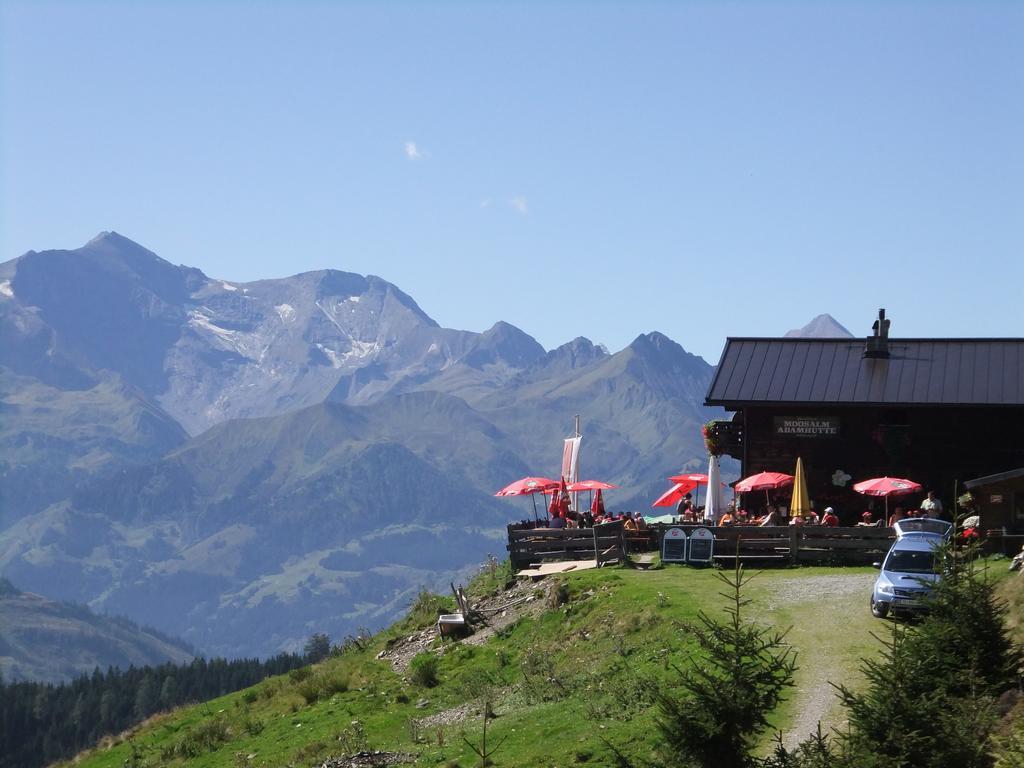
603	543
789	545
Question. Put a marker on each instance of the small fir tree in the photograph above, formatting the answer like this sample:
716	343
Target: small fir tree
317	648
721	702
930	698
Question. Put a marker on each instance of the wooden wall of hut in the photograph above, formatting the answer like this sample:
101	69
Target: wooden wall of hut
933	446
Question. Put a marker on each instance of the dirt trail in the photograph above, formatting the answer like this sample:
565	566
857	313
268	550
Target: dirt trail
839	604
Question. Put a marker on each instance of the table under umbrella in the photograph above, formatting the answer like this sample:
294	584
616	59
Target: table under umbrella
528	486
886	487
763	481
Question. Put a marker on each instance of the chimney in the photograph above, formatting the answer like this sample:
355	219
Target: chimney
877	344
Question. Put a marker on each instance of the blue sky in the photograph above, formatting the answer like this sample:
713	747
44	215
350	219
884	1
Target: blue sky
604	169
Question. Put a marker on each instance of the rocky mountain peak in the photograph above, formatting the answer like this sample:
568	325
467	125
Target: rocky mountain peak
578	353
505	343
656	345
821	327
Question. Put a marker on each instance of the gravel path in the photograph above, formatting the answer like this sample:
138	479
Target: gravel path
838	596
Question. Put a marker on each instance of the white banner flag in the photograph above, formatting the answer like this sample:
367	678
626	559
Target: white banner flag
571	459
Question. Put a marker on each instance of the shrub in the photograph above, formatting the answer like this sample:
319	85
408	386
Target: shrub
204	737
252	725
423	669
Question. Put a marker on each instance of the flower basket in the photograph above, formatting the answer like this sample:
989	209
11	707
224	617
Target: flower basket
712	440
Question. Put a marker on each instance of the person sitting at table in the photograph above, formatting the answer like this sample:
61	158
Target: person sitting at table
638	520
630	525
726	519
587	519
829	518
867	517
897	515
557	521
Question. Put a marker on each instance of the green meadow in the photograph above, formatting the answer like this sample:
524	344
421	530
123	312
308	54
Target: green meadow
571	676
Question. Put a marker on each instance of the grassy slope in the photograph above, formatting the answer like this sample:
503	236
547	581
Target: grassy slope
594	653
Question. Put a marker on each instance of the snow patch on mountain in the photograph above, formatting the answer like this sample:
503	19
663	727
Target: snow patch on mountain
331	316
362	350
334	357
228	286
285	311
6	290
199	321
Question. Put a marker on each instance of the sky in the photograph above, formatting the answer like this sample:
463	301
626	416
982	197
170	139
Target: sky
595	169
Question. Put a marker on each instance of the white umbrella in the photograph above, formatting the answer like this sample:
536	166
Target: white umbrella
714	506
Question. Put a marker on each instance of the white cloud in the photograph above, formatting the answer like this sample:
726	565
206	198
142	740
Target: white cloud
412	151
519	203
485	203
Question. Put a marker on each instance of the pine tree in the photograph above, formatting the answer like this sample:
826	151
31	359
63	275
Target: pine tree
147	698
714	714
930	699
169	692
317	648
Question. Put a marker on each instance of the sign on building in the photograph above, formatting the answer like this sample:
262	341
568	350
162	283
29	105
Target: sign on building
807	426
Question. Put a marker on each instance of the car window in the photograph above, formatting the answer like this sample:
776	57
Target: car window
922	525
910	561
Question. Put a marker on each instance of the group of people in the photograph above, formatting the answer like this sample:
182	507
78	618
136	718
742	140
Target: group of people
688	513
587	519
562	515
773	514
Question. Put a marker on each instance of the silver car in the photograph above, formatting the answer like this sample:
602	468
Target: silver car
909	567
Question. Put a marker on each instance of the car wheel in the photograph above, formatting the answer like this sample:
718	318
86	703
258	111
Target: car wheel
879	610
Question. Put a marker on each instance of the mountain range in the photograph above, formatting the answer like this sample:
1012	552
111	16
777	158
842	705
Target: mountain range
244	464
55	642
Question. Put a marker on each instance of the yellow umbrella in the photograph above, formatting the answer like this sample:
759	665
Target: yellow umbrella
801	503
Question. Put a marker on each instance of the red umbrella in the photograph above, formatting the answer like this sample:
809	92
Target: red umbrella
693	480
673	495
557	496
696	478
887	486
527	486
597	504
763	481
590	485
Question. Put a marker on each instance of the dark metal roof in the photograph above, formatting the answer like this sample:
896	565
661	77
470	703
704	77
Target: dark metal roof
917	372
1002	477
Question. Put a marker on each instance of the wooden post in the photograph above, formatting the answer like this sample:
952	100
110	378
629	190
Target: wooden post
794	544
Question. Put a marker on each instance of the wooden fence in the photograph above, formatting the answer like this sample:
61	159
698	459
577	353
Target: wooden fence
785	545
603	543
